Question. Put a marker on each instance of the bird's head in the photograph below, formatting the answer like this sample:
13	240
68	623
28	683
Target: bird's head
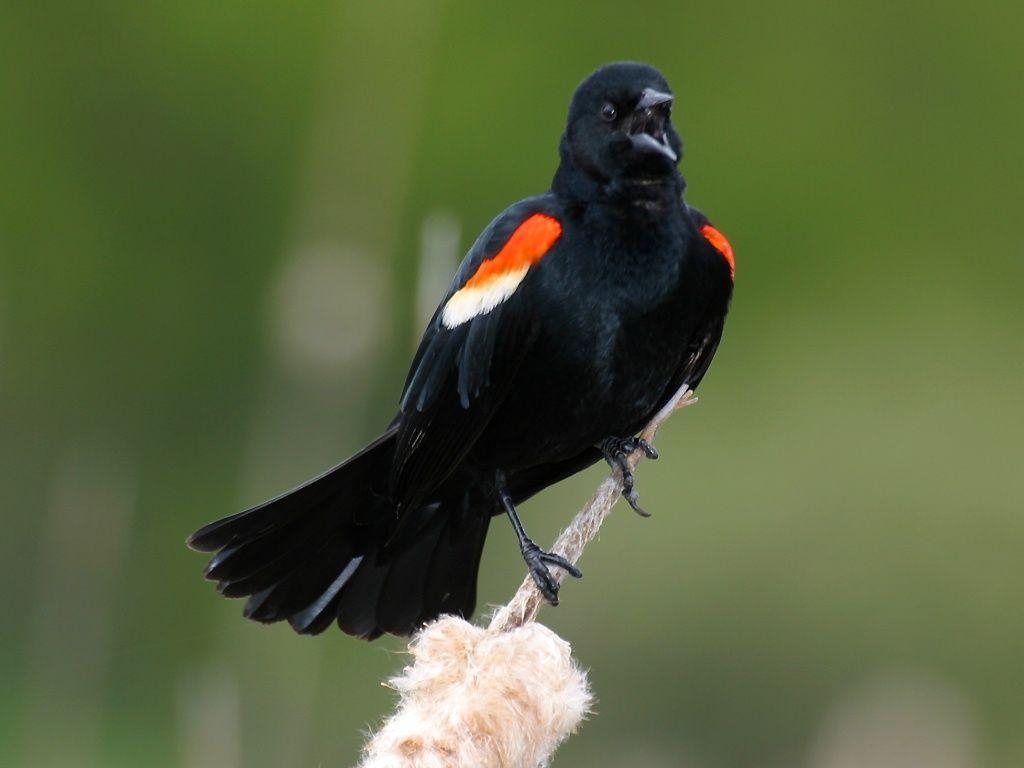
620	126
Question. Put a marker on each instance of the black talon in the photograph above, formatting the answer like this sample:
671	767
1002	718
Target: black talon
631	499
561	562
537	560
616	451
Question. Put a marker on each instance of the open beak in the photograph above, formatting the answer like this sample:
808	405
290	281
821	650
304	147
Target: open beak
651	98
647	130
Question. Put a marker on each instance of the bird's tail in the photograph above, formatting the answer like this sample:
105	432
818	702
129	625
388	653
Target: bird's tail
327	551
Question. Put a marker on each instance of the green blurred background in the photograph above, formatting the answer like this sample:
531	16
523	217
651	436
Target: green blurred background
223	222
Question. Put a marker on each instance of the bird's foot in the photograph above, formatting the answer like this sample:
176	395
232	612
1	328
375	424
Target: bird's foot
537	560
616	452
626	445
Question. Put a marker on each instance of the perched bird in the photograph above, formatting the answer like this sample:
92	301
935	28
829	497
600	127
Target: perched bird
574	317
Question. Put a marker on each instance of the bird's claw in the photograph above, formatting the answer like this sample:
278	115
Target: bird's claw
623	446
616	451
537	560
631	497
630	444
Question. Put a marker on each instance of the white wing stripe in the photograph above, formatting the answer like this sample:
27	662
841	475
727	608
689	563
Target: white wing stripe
475	300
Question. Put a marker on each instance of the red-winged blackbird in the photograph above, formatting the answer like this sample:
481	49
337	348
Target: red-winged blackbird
574	317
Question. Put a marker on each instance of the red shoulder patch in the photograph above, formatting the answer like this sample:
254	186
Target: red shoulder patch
527	245
498	277
721	244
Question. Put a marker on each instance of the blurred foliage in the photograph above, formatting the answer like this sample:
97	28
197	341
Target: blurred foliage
843	510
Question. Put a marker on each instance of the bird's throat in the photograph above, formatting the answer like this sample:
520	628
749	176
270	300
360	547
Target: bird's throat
578	184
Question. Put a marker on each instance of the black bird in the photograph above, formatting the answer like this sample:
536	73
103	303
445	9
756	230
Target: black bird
574	317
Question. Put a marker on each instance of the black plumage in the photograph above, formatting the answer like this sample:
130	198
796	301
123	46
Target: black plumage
574	317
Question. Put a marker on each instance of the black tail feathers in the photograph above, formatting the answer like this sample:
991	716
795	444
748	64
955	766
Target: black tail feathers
326	551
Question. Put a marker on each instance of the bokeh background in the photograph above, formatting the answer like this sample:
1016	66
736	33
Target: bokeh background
222	226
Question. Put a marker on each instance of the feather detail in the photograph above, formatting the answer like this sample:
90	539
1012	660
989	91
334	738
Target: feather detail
498	277
474	300
721	244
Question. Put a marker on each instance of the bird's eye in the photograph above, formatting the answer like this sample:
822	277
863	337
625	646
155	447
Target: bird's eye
608	112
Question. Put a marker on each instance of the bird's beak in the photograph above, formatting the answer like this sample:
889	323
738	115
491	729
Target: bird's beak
651	98
647	131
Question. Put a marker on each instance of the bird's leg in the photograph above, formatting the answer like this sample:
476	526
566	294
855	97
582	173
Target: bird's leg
537	560
616	451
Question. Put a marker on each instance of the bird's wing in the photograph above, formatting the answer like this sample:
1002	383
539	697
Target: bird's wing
699	354
471	350
714	238
715	250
